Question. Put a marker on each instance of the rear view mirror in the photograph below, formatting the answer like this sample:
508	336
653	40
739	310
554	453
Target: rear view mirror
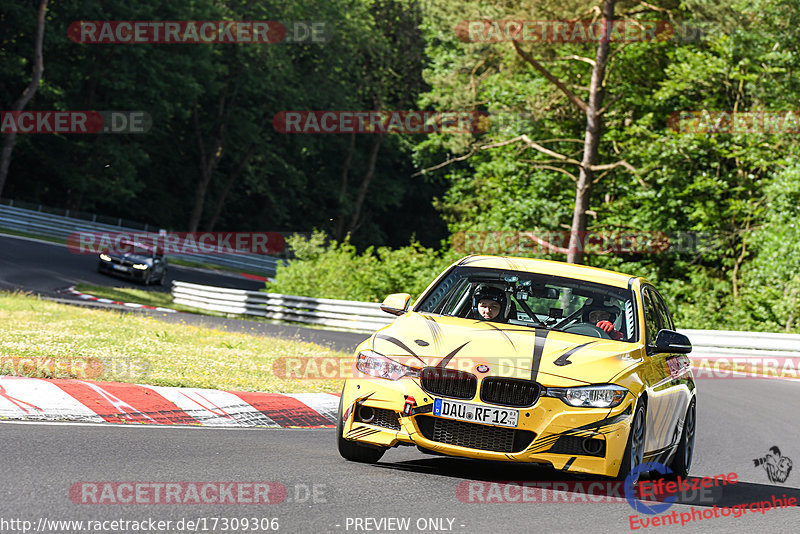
546	293
671	341
396	303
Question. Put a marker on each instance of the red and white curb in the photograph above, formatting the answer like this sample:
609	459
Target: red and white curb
41	399
83	296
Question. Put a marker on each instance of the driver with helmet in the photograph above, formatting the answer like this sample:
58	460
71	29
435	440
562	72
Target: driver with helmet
489	304
603	317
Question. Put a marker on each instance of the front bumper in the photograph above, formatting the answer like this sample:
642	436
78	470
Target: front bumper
549	432
123	270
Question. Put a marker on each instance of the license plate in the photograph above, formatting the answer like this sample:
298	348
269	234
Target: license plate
463	411
120	267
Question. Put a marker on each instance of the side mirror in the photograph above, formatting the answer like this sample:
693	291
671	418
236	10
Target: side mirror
672	342
396	303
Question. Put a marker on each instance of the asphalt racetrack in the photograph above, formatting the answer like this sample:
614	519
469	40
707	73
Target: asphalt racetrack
738	420
49	470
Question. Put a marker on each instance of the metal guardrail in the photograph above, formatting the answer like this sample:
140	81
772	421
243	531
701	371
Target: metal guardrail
367	317
61	226
352	315
717	344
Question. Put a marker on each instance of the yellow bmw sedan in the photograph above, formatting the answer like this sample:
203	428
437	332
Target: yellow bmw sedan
524	360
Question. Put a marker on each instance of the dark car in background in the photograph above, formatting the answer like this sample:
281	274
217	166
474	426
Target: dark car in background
134	261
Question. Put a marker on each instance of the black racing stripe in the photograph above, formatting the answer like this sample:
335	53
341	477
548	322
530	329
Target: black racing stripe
538	349
569	463
400	344
446	359
436	331
607	421
564	358
504	335
362	432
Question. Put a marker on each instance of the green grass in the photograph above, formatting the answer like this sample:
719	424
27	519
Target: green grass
45	339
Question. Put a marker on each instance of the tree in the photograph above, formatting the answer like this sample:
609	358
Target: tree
27	94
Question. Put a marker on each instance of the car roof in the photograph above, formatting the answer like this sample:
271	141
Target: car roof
555	268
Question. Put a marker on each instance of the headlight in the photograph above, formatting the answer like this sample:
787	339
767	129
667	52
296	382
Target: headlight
141	266
105	257
604	396
374	364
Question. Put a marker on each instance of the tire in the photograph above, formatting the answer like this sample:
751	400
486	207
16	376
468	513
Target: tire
350	450
634	450
162	278
682	461
148	278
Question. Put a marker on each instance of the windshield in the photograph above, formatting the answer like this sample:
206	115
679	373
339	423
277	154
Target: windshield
535	300
129	247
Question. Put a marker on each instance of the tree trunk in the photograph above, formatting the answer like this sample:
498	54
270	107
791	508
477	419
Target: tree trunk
362	190
27	94
577	238
228	184
348	157
207	163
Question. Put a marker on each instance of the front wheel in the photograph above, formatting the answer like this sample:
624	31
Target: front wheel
634	451
350	450
682	461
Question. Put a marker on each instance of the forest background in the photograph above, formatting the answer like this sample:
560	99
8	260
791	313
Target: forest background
583	123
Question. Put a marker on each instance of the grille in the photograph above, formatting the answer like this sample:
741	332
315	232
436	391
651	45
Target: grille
473	435
449	383
573	445
509	391
386	419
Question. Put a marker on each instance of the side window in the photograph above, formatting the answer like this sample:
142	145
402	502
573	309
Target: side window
666	318
650	317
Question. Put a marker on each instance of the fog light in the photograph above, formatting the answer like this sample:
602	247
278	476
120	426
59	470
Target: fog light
366	414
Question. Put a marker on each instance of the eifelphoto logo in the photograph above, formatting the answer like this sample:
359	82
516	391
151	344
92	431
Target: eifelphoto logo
777	466
197	32
177	242
734	122
380	122
75	122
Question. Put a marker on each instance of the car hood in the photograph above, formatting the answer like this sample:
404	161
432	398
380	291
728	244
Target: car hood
549	357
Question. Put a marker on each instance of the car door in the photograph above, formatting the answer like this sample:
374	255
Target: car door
659	380
678	391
